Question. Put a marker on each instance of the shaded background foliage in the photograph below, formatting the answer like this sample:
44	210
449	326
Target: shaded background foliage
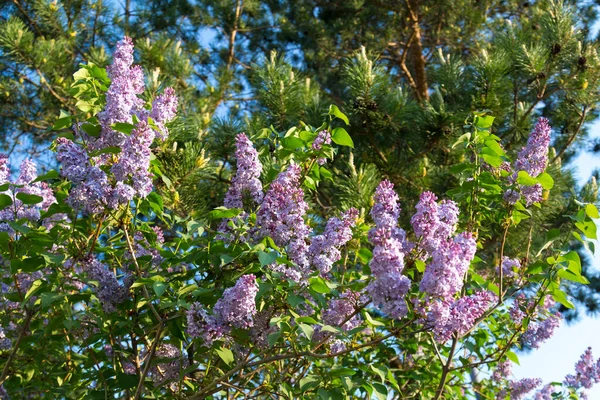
408	74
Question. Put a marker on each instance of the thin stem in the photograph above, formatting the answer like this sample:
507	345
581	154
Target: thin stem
13	353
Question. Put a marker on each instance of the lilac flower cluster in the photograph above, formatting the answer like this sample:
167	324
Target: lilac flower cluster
324	251
169	367
338	314
460	316
143	248
518	389
434	223
545	393
93	188
390	287
539	332
109	291
5	343
508	266
281	216
246	183
502	371
23	184
587	372
323	137
236	308
533	158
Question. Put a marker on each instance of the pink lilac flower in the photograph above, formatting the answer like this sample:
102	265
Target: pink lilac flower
389	288
518	389
324	251
450	261
502	371
246	184
461	315
509	265
539	332
281	216
23	184
237	306
545	393
533	158
323	137
586	372
164	109
338	311
203	325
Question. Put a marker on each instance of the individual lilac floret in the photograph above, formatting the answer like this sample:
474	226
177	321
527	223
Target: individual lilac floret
109	291
324	251
246	184
502	371
533	158
237	306
587	372
281	216
201	324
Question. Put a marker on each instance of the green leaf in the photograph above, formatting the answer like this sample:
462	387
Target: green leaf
513	357
341	137
343	372
126	381
91	129
484	122
318	285
52	174
308	330
371	321
335	111
420	265
546	181
123	127
159	288
226	355
525	179
561	297
495	147
106	150
35	286
272	338
293	143
591	211
5	201
29	198
222	212
267	258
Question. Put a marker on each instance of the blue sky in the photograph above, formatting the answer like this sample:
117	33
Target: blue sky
557	357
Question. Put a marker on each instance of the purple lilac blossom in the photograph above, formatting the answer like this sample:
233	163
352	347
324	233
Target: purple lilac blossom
324	251
170	366
502	371
246	183
201	324
237	306
323	137
18	209
444	274
281	216
533	159
518	389
508	266
109	291
586	372
389	288
461	315
545	393
539	332
94	190
338	311
5	343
